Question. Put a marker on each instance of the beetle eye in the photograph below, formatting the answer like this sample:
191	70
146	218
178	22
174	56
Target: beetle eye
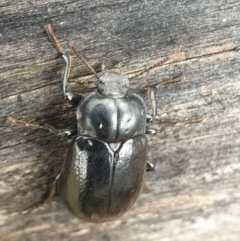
100	81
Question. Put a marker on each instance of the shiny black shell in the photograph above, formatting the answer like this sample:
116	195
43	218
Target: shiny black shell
98	184
111	119
106	163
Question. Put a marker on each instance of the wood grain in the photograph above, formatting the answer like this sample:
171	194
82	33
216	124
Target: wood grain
195	187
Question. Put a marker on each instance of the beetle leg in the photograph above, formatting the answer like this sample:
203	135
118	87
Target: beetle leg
75	98
52	190
152	97
118	69
149	118
150	131
37	125
150	166
155	65
42	202
146	189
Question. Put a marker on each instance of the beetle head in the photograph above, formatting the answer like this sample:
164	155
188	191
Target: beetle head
113	84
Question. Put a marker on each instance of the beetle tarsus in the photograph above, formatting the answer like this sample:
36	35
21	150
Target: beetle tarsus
73	97
31	208
149	118
69	133
57	45
150	166
150	131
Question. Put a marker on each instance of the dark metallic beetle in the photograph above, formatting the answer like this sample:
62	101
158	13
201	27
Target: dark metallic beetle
106	163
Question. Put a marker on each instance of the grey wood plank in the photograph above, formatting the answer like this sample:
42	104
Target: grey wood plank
195	187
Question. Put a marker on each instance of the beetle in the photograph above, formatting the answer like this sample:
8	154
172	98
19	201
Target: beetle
105	165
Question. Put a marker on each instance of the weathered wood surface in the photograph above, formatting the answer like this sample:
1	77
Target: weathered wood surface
195	188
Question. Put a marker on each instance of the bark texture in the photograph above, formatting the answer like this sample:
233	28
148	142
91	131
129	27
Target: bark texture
194	190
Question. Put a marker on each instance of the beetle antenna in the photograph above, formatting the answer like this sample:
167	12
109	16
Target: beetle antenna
83	59
157	64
